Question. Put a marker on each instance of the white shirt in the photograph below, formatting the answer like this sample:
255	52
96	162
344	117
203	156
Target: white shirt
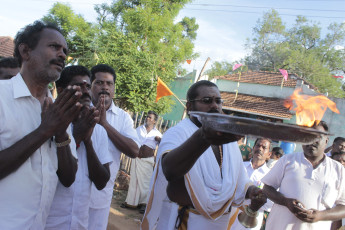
123	123
319	188
70	207
148	138
27	193
255	175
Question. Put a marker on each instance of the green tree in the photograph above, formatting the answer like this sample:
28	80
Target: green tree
222	68
300	49
141	41
78	32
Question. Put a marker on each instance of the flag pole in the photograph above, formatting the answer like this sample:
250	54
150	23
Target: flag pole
179	101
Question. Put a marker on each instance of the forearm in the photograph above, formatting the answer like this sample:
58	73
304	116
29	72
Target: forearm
67	164
179	161
335	213
98	173
328	149
274	195
124	144
14	156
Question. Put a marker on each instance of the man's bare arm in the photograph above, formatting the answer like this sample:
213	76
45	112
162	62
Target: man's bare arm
55	119
335	213
14	156
67	164
124	144
179	161
99	174
295	206
274	195
329	148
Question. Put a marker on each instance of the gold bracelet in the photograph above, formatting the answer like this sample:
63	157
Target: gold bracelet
64	143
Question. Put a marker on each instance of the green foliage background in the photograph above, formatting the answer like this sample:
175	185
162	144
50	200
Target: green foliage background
139	39
301	50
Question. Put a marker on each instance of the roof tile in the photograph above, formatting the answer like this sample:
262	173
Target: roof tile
261	77
6	46
264	106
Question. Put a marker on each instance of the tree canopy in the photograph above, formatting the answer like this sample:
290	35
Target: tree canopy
301	49
139	39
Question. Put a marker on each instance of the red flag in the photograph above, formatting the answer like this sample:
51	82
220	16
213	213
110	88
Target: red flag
189	61
284	73
236	66
162	90
338	77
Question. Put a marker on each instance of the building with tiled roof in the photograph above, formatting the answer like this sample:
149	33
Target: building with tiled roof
261	77
259	94
264	78
6	46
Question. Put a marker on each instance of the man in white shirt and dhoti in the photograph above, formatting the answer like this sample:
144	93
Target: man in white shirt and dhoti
142	166
311	188
201	171
122	137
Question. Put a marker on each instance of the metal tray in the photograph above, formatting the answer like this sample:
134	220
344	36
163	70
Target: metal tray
258	128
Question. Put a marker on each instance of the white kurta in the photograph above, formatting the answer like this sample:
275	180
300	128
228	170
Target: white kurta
70	207
211	193
101	199
27	193
319	188
255	175
142	169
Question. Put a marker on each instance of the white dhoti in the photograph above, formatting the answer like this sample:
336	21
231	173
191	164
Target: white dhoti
211	190
139	185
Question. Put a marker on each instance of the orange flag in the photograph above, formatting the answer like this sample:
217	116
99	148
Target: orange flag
162	90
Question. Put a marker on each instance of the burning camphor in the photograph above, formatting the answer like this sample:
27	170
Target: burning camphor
309	108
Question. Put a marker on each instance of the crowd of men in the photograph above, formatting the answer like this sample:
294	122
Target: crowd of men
59	157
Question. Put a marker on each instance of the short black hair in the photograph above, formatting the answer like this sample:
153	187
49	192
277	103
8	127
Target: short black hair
70	72
335	153
322	124
192	91
102	68
342	139
30	35
154	113
277	151
9	62
262	139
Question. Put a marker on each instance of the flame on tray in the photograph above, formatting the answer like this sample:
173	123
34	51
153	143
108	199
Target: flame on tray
309	108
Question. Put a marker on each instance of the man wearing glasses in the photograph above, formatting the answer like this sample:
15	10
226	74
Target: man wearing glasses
201	171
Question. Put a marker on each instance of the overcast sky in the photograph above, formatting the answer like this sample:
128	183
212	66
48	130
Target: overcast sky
224	25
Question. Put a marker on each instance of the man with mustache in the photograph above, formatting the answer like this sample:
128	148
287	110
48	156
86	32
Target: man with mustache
311	188
122	138
70	207
256	169
201	171
36	150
